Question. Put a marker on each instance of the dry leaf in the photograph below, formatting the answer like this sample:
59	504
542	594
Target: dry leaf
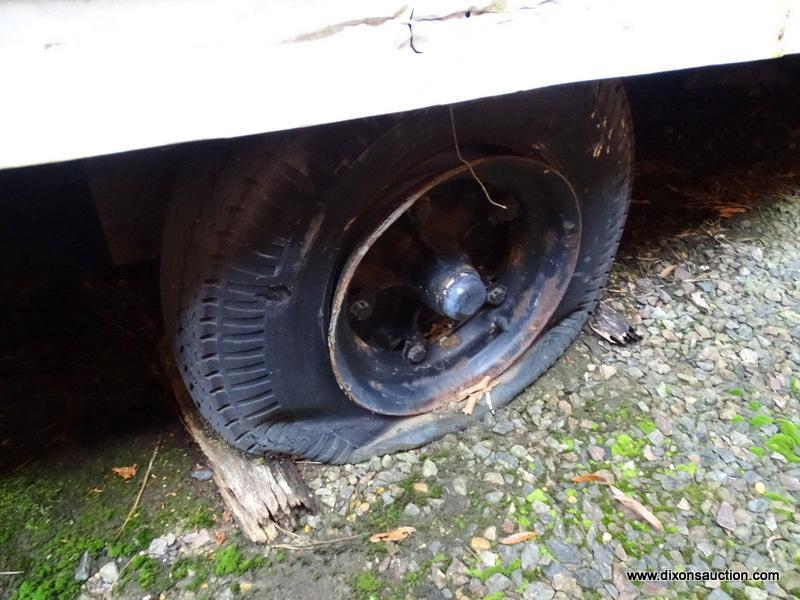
393	535
698	299
636	507
226	516
220	537
587	478
125	472
667	271
518	538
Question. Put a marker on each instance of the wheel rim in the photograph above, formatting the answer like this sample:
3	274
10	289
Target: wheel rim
450	289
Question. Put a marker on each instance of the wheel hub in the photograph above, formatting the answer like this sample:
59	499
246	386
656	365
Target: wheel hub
450	289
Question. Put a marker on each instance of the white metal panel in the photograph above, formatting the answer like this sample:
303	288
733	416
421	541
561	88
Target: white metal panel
91	77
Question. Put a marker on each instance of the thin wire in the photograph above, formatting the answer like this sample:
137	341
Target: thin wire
469	166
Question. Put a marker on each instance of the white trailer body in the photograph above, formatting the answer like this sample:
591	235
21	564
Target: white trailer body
93	77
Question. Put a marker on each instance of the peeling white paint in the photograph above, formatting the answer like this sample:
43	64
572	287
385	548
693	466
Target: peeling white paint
91	77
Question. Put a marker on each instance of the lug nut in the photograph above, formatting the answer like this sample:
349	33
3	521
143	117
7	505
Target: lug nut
361	309
416	352
496	295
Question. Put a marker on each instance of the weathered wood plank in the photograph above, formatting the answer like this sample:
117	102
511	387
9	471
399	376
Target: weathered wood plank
258	492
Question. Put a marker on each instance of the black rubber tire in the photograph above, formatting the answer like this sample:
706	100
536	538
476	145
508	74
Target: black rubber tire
257	230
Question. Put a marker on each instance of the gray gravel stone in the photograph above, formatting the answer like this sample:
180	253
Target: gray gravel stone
109	572
538	591
588	578
753	593
725	516
159	546
481	451
506	460
82	571
564	583
202	474
596	453
529	557
494	479
503	427
494	497
497	583
563	551
758	505
429	469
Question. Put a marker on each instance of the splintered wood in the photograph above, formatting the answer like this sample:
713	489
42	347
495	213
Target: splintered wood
263	496
472	394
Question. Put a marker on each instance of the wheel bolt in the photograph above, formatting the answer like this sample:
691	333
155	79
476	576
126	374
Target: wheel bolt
361	309
416	352
496	295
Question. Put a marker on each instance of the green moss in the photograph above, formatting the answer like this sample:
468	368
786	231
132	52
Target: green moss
494	596
794	386
147	571
367	583
568	443
760	420
778	498
646	426
440	454
230	560
202	518
57	509
537	495
738	392
484	574
632	545
694	493
436	490
441	560
411	578
754	405
629	472
784	445
689	468
523	520
386	516
759	452
737	419
786	427
624	445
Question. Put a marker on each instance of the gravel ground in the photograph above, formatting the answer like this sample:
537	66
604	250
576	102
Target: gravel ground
698	423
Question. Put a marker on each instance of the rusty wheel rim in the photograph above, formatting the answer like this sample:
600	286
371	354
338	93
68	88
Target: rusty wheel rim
450	289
